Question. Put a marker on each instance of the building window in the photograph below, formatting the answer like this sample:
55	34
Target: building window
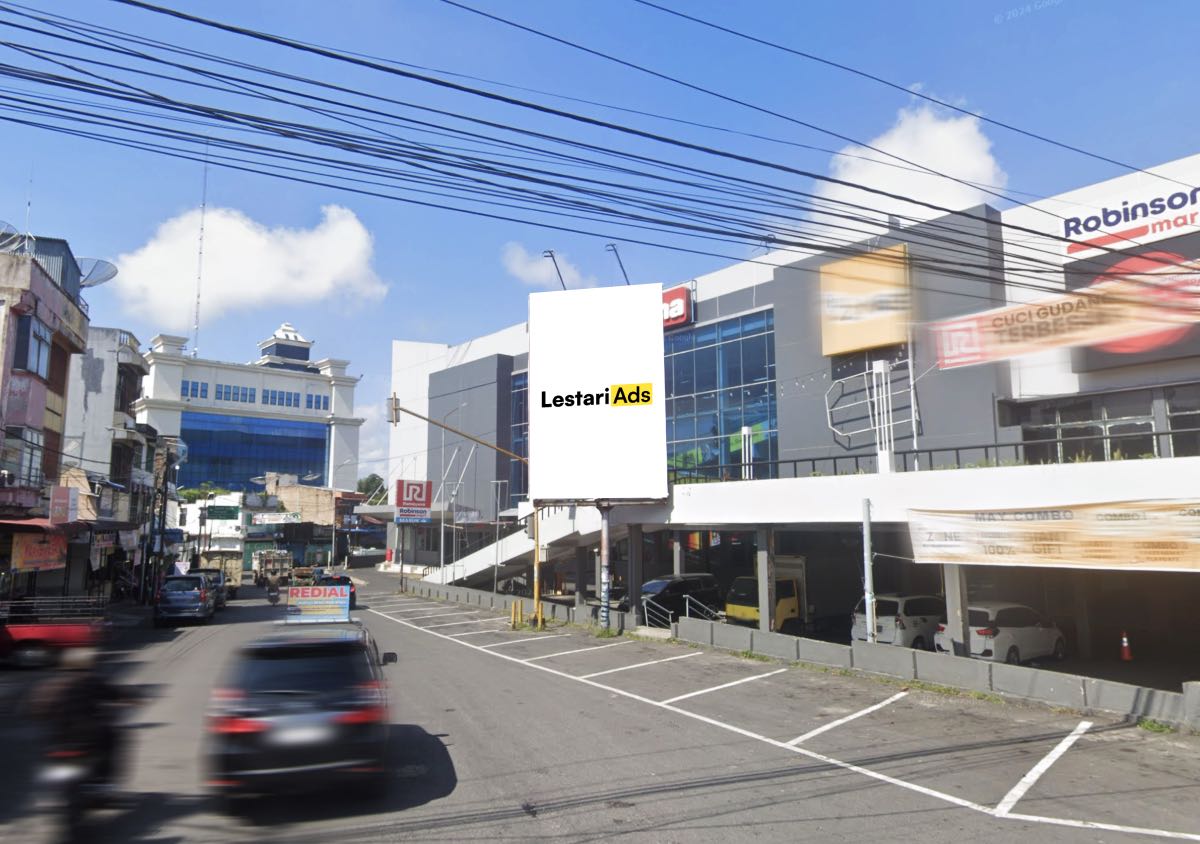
23	455
324	402
251	399
203	389
720	377
183	388
1085	429
518	472
34	339
1183	418
245	394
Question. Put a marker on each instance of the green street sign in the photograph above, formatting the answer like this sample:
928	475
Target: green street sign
223	512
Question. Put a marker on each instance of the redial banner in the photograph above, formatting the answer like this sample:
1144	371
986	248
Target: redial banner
1119	535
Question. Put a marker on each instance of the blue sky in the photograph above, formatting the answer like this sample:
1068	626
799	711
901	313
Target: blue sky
1105	76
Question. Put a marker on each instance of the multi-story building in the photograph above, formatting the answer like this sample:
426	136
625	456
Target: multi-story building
1038	361
43	323
281	413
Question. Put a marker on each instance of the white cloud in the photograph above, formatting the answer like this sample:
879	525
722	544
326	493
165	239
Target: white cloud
950	144
246	265
538	271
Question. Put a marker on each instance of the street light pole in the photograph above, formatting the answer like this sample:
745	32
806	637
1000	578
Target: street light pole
442	496
496	568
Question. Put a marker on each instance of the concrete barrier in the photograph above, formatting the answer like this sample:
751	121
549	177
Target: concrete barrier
1191	705
778	645
885	659
1036	684
694	630
1123	699
957	671
824	653
731	636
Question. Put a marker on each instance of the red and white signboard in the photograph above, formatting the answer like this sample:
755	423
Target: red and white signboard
414	500
677	307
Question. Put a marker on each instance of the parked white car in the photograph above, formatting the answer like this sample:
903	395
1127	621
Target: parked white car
1012	633
908	621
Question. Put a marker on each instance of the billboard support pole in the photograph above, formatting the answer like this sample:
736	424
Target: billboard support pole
605	563
868	571
537	565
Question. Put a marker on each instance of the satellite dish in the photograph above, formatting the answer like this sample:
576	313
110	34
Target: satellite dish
10	238
95	272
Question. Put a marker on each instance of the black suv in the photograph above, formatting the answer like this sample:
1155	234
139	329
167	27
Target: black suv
669	592
298	708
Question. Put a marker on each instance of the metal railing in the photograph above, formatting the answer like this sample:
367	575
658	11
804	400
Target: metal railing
1052	450
655	614
695	609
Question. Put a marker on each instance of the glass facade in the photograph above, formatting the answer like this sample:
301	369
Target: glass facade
518	472
228	451
1083	429
719	378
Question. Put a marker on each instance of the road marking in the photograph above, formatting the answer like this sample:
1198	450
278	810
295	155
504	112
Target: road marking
1035	773
472	633
440	614
408	607
456	623
798	739
639	665
525	639
722	686
810	754
578	650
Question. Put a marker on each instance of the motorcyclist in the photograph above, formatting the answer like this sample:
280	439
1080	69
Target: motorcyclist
273	591
79	706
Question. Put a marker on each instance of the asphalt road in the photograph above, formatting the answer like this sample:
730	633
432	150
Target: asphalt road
564	736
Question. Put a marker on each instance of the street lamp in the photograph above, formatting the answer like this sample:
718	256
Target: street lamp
442	496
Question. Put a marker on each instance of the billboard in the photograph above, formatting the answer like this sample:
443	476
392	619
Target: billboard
275	518
1141	304
865	301
597	412
64	505
1119	535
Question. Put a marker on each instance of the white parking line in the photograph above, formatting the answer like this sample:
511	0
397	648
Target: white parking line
798	739
723	686
456	623
472	633
525	639
639	665
809	754
409	607
438	615
1035	773
579	650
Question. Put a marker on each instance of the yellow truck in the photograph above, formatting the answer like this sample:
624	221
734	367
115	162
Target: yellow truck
741	605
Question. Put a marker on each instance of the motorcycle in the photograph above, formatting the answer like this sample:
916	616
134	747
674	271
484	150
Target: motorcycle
79	778
273	595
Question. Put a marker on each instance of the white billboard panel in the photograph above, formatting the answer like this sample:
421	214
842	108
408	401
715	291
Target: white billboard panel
597	409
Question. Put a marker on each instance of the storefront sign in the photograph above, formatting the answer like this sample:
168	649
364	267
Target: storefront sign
307	604
865	301
413	502
104	539
222	513
39	551
64	505
677	307
1149	302
1120	535
276	518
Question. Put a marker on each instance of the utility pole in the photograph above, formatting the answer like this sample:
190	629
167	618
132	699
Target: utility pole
868	571
612	247
549	253
496	568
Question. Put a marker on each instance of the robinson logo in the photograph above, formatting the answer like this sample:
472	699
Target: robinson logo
618	395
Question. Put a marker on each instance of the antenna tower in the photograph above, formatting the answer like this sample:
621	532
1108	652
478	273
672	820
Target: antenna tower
200	256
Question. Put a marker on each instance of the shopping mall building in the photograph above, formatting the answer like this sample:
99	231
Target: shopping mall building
951	365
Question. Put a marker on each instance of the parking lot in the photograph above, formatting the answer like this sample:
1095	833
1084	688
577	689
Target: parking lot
1008	762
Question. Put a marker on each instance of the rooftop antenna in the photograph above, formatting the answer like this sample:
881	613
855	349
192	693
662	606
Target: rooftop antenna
549	253
95	271
29	239
612	247
200	256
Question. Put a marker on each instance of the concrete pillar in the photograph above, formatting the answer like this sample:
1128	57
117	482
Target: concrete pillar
581	567
635	570
956	610
1191	705
765	569
596	570
676	553
1081	614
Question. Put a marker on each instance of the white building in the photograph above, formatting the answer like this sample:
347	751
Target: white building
280	413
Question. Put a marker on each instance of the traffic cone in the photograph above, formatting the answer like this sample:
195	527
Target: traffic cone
1126	651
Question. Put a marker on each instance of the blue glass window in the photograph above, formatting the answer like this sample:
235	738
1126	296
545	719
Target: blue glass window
246	394
252	389
324	402
183	388
203	389
230	450
720	377
518	472
308	397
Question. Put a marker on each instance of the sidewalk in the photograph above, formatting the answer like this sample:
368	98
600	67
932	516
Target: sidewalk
129	615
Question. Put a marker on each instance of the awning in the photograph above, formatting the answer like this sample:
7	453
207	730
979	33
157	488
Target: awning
30	524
